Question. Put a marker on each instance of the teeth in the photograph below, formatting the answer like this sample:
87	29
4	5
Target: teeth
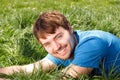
61	51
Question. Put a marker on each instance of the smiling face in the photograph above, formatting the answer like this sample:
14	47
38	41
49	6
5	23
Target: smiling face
54	32
60	44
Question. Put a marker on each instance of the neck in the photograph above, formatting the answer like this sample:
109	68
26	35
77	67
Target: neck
75	44
75	38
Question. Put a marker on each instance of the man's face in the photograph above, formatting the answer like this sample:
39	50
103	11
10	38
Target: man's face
60	44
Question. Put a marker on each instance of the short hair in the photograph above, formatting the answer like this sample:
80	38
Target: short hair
48	22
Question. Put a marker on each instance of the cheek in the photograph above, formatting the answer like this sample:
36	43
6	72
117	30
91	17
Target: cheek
65	39
48	50
70	43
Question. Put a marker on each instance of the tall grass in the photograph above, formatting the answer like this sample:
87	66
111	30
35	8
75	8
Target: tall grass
18	46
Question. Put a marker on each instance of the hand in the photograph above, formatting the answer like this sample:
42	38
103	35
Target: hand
4	79
65	76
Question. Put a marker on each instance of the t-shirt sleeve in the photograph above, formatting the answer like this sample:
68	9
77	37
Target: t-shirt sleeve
89	53
55	60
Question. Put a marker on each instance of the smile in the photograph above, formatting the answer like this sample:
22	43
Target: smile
61	51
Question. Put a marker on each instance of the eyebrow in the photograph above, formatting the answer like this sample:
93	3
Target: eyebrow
46	43
58	34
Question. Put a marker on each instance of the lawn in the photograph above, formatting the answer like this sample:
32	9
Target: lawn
18	46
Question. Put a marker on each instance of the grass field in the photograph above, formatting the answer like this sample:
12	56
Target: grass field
18	46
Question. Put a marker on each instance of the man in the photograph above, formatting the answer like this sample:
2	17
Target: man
82	52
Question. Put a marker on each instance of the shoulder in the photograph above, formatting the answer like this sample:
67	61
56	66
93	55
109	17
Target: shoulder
89	51
90	33
91	38
91	42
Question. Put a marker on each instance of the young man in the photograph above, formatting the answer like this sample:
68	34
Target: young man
82	52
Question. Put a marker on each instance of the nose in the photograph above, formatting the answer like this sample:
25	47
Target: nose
56	46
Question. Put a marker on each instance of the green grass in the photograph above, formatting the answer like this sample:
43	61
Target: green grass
18	46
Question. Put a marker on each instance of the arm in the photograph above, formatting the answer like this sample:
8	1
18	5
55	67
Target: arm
43	64
76	71
87	56
4	79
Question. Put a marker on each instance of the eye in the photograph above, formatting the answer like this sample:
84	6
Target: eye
46	45
59	36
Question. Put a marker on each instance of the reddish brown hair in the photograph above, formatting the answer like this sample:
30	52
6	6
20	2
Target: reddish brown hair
48	22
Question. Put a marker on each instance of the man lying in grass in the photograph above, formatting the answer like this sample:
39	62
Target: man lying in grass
81	52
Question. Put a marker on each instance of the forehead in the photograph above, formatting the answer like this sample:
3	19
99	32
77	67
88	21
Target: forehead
51	36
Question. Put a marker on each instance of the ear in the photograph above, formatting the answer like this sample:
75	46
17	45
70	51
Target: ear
70	29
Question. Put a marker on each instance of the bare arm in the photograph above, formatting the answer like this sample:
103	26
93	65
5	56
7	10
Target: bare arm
43	64
76	71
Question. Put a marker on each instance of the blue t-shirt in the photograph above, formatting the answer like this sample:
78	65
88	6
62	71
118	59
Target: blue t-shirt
95	49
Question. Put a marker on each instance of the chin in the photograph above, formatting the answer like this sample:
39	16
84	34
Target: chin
64	58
